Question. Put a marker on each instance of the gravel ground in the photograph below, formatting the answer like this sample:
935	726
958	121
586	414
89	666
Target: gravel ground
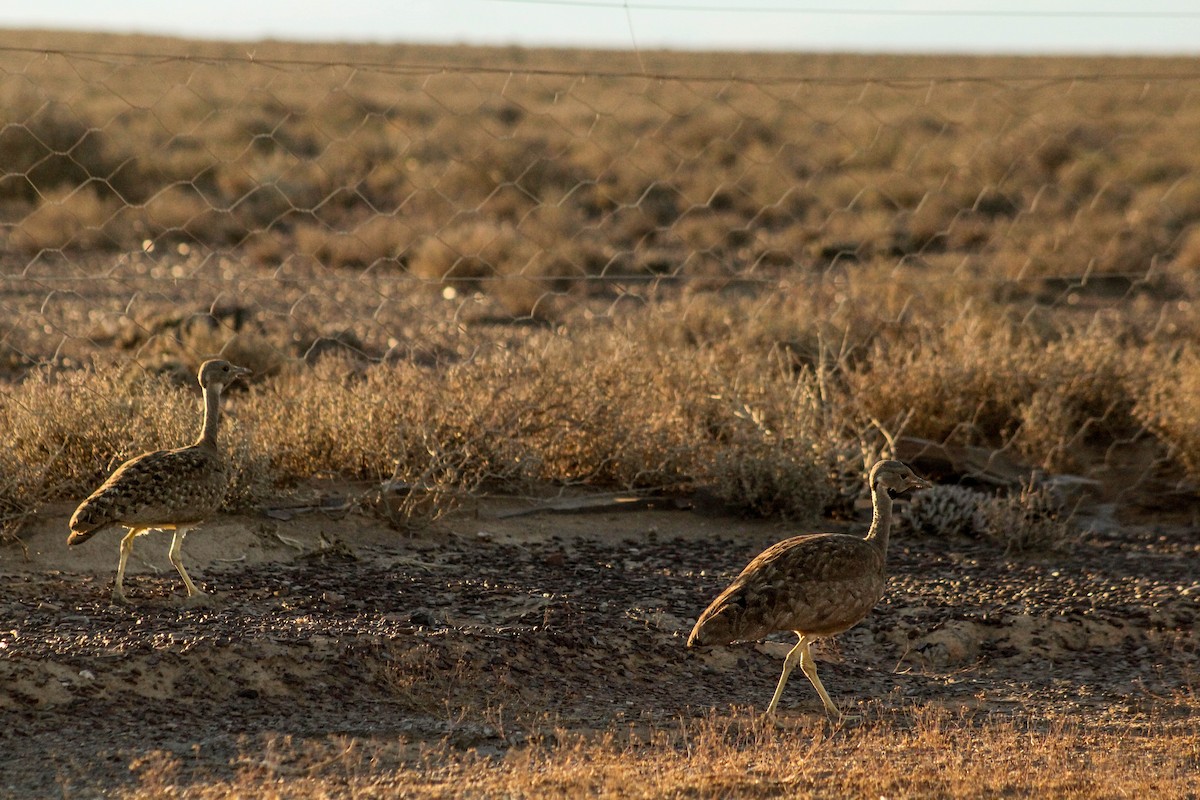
480	630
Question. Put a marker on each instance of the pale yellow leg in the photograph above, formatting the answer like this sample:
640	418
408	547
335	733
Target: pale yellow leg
118	593
810	669
177	559
789	664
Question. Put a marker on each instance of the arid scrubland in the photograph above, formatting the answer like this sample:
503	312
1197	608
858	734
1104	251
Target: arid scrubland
737	272
463	275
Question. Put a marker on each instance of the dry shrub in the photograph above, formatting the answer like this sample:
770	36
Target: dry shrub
952	384
987	384
607	413
377	240
1084	392
68	220
1032	519
179	344
647	415
1170	408
48	146
179	212
464	253
621	416
440	434
774	454
521	275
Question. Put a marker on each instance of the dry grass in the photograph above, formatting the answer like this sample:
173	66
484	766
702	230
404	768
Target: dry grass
459	174
741	285
452	280
605	412
974	381
925	753
1171	408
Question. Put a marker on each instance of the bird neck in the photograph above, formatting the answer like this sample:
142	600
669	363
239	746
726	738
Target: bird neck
881	518
212	416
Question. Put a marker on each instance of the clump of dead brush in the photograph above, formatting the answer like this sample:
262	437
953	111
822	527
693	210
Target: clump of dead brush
1030	519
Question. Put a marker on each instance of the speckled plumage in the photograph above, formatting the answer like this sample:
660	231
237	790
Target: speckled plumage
162	489
814	585
820	584
166	489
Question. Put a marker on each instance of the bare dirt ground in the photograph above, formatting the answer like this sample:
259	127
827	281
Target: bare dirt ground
483	627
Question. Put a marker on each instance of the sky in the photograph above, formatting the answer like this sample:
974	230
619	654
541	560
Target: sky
921	26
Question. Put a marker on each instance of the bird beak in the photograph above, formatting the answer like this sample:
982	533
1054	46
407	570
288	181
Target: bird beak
916	482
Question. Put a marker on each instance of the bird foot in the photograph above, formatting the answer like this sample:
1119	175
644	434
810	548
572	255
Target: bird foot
119	599
837	717
198	600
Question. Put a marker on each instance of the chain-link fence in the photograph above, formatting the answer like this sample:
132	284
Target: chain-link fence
845	254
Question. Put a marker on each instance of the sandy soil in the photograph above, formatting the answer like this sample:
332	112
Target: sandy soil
484	626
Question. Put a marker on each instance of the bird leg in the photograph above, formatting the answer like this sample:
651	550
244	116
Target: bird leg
789	664
177	560
118	593
809	668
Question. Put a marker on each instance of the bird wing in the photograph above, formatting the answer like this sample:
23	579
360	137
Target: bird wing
823	557
165	486
818	583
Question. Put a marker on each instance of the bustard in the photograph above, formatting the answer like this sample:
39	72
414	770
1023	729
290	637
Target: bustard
165	489
815	585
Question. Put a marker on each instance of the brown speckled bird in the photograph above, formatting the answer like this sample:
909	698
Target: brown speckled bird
815	585
166	489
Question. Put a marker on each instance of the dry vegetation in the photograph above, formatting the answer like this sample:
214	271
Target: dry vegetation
925	753
465	271
739	282
744	283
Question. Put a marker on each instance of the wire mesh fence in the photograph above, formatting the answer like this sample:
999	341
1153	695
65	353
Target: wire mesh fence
574	273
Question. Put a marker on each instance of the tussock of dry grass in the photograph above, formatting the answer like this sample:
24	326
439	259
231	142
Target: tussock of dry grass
995	385
458	174
926	754
1032	518
604	412
1170	408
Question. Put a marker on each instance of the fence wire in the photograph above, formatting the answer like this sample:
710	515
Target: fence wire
862	215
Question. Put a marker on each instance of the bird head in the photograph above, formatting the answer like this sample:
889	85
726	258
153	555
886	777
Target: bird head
896	476
217	373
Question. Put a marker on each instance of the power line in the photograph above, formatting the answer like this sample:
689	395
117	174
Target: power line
425	69
859	12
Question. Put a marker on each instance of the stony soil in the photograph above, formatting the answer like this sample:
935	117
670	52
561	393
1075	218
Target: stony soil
483	627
